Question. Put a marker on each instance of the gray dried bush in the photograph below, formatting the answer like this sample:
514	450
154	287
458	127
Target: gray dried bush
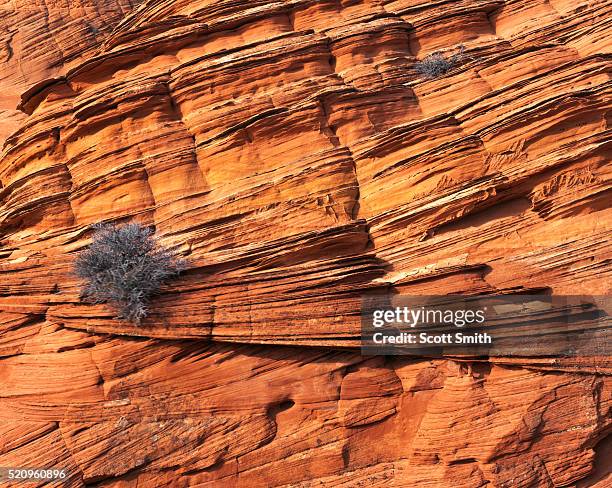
436	64
125	266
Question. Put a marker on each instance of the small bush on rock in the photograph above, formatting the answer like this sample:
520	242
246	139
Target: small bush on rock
436	64
125	266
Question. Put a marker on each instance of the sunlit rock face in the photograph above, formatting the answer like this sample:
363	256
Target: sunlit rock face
42	39
295	156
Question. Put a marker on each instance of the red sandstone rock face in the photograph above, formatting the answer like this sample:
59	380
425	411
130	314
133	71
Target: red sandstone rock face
292	152
40	39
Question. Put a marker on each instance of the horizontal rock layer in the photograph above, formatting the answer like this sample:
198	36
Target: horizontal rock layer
295	156
40	39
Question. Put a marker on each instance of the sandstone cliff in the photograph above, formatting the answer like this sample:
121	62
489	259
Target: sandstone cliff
293	153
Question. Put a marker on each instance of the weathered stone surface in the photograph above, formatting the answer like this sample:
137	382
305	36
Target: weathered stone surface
40	39
293	154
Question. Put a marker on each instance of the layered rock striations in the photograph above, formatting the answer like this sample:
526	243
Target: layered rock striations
42	39
295	155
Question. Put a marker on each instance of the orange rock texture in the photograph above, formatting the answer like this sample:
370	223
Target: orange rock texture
292	152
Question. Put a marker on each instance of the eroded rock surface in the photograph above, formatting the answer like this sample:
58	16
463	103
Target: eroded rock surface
41	39
295	155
